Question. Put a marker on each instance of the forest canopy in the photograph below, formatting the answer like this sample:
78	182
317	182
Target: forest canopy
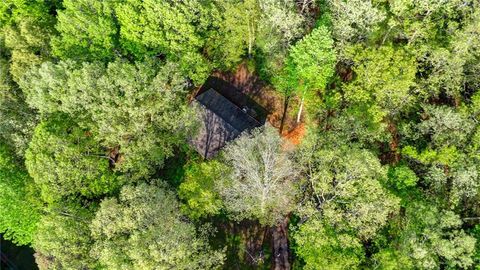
365	152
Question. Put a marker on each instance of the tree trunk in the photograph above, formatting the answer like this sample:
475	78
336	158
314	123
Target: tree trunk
456	101
285	107
394	142
251	37
249	46
280	246
301	109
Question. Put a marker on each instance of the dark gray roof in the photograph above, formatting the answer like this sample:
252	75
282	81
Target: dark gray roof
228	111
222	121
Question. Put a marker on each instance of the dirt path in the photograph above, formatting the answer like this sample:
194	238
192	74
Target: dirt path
281	249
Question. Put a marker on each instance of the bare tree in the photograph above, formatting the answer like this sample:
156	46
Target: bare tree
260	185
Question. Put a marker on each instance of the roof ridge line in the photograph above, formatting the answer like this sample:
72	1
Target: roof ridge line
258	122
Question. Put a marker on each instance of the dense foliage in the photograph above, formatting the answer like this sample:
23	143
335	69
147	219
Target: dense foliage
20	210
382	98
143	229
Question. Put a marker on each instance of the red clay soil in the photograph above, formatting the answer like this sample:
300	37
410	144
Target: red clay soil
296	135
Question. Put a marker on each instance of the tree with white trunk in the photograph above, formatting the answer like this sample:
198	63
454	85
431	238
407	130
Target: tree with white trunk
310	64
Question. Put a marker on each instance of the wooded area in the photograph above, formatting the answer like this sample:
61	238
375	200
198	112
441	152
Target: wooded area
370	157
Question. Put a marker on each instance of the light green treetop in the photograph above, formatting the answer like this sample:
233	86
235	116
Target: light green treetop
198	189
19	211
428	238
63	239
175	29
347	189
322	247
64	160
385	78
139	108
314	59
143	229
87	30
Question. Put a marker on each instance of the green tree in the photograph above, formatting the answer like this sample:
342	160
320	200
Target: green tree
11	11
19	211
392	259
322	247
447	69
26	27
175	29
402	177
238	29
385	80
444	37
446	126
262	182
63	239
429	238
143	229
476	234
64	160
261	29
17	120
42	85
313	61
139	109
446	159
383	88
345	202
341	122
87	30
466	45
354	21
198	189
424	22
445	74
286	83
346	186
279	26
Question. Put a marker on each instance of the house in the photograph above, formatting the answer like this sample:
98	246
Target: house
221	121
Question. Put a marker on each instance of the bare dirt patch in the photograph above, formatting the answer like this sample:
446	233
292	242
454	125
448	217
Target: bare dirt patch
296	135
